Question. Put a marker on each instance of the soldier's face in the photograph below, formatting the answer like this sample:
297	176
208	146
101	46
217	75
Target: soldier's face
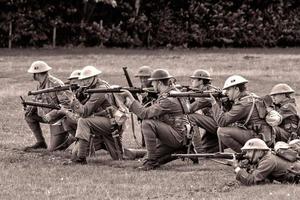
253	155
155	86
278	98
144	81
232	93
197	83
87	82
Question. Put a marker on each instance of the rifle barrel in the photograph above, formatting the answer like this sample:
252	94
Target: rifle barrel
206	155
43	105
115	90
196	94
54	89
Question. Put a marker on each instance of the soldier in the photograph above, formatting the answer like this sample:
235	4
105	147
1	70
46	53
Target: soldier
73	78
144	74
35	115
246	118
147	98
208	140
266	167
164	123
95	120
286	106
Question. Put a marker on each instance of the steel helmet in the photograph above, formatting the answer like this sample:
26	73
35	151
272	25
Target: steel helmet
159	74
89	71
75	74
274	118
255	144
201	74
38	67
234	80
144	71
281	145
281	88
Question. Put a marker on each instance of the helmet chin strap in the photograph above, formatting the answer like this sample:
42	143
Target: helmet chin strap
93	82
253	155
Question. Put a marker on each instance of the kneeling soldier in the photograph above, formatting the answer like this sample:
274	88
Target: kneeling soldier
164	123
94	121
266	166
245	119
36	115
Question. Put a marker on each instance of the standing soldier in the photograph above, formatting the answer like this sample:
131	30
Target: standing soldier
286	106
266	166
164	123
207	141
246	118
35	115
95	120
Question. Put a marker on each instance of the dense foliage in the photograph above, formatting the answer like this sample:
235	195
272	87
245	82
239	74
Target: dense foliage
151	23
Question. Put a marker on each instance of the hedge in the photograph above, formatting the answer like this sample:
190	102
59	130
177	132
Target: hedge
158	23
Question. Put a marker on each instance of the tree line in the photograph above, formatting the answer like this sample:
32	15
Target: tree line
150	23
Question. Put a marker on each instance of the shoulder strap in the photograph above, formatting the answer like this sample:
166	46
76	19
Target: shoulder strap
251	110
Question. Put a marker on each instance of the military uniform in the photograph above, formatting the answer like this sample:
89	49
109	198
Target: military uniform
236	126
269	168
290	119
164	125
36	115
94	120
208	139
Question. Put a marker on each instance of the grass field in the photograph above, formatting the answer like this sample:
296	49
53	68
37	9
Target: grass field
41	175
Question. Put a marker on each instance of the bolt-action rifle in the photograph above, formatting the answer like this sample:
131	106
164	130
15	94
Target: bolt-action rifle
38	104
71	87
196	94
132	90
219	155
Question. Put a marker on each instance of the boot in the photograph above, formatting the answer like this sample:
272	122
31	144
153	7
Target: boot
76	161
37	145
149	165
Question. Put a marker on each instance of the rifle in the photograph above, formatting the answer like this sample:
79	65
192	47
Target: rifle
38	104
219	155
72	87
129	82
115	133
196	94
133	90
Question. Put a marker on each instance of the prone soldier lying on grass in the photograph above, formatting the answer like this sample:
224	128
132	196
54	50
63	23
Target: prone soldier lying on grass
266	166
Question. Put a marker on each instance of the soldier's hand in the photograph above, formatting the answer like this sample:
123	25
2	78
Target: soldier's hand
212	99
127	94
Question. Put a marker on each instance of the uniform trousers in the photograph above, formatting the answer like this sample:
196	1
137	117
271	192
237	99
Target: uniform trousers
57	133
101	128
209	138
160	139
235	137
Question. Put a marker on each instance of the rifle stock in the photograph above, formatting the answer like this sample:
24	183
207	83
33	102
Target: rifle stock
55	89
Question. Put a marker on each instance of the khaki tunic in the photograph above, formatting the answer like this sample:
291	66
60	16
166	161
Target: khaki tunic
290	119
163	125
270	167
238	115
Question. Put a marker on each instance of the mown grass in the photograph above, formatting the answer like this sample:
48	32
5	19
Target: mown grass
42	174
